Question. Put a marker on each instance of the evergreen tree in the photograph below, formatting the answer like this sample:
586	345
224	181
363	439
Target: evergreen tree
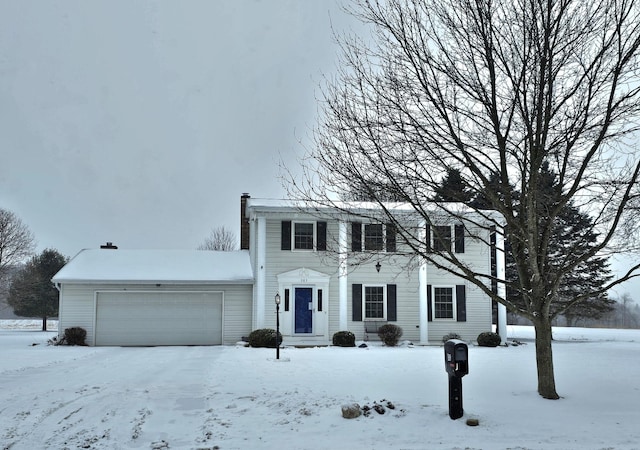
453	188
31	293
572	234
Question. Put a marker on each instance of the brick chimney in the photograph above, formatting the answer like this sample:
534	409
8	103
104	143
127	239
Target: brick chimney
244	222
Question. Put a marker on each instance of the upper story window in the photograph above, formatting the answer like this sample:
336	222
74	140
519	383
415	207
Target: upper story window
441	238
373	237
303	235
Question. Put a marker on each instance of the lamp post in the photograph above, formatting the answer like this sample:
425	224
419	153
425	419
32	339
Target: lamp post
277	325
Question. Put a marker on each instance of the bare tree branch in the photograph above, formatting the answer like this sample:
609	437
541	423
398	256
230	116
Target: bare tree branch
221	239
490	87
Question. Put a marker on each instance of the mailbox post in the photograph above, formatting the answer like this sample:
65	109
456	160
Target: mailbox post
456	362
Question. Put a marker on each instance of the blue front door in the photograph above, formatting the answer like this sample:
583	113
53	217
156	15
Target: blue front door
303	310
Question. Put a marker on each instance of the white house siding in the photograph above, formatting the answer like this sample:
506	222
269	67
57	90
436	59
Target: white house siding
78	304
77	309
281	261
394	270
478	305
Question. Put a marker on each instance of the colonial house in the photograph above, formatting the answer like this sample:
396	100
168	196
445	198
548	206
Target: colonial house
332	269
336	271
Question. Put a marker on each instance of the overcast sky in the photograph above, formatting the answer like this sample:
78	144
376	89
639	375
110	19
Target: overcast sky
143	122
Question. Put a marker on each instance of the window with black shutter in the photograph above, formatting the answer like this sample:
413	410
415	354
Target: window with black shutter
441	238
391	237
285	239
356	237
303	235
321	229
461	303
392	303
459	238
356	302
373	237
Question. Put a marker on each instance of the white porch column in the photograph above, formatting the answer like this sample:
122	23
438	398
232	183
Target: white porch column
422	298
502	288
342	275
260	272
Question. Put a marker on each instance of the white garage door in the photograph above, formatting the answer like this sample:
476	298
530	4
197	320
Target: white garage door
159	318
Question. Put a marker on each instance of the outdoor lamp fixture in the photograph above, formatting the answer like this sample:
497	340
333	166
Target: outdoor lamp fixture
277	325
378	266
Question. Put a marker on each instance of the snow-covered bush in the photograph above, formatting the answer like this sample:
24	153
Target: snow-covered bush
450	336
344	339
390	334
488	339
264	337
75	336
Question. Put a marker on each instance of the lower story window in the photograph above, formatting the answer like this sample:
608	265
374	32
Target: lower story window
443	302
374	302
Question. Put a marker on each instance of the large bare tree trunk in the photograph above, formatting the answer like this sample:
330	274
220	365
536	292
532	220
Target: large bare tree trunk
544	359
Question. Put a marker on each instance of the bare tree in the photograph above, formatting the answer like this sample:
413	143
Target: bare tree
16	244
495	89
220	239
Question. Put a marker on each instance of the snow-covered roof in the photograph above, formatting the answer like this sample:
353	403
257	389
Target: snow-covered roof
157	266
338	208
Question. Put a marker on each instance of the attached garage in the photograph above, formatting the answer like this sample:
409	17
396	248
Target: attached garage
159	318
154	297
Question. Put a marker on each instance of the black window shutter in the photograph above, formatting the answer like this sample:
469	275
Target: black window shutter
459	238
356	237
429	313
391	237
286	299
321	229
356	302
319	299
392	314
428	239
461	303
285	241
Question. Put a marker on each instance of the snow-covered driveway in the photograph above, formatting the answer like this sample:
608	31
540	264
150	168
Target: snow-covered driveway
112	395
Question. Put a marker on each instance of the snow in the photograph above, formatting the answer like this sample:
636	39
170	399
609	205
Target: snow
234	397
356	207
177	266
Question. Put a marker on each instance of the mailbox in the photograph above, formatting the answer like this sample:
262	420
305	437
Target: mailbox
456	363
456	358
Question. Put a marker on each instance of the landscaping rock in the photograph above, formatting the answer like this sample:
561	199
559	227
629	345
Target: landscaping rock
351	411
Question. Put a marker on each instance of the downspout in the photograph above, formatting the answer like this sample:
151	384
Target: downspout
261	272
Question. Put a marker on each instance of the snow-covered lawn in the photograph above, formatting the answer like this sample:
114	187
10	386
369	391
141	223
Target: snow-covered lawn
242	398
